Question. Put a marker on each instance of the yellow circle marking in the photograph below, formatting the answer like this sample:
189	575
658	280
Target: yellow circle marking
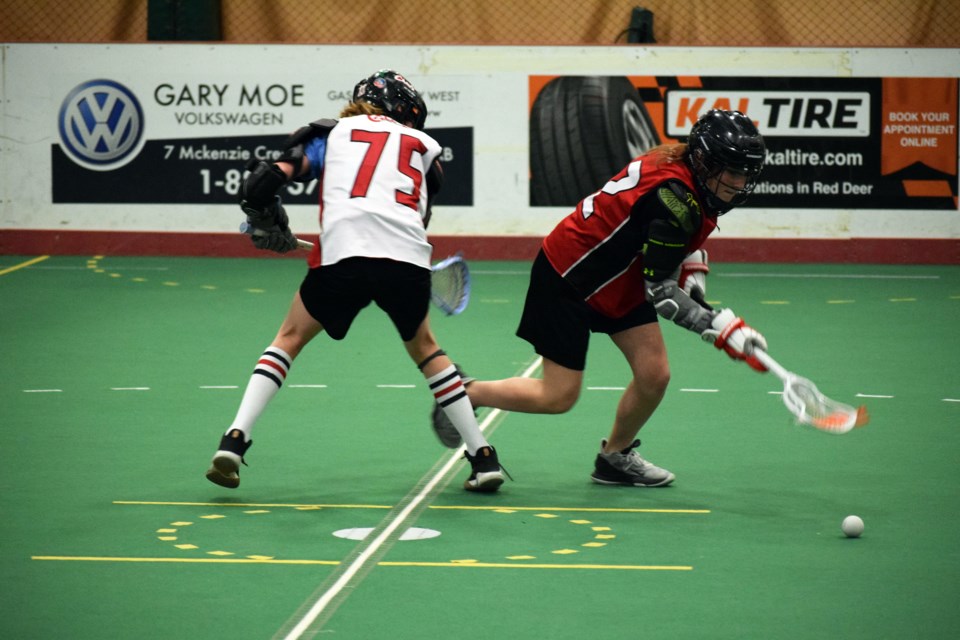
599	540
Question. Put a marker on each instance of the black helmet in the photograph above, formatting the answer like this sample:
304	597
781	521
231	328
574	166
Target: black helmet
725	140
394	94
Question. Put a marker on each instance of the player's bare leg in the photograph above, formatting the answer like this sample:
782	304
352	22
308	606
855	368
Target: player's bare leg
447	386
618	462
556	391
297	329
646	354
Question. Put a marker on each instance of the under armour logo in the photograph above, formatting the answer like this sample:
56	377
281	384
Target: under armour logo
101	124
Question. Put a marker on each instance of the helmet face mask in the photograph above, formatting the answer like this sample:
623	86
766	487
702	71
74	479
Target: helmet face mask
393	94
726	153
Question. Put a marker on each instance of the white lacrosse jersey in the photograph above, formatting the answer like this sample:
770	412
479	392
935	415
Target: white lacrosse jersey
373	191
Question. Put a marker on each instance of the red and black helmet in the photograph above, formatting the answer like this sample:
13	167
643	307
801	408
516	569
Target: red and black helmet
725	141
393	93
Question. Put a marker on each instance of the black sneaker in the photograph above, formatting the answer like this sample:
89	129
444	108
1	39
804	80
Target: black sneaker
225	468
628	468
486	473
442	427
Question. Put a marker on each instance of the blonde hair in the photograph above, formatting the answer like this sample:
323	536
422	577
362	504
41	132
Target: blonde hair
361	108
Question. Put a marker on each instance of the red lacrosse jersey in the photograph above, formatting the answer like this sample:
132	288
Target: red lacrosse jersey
598	248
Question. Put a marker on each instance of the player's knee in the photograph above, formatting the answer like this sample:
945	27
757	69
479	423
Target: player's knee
561	402
654	382
564	404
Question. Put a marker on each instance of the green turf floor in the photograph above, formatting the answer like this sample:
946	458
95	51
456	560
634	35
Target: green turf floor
121	373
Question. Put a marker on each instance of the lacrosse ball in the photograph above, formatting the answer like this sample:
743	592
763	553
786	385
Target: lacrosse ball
852	526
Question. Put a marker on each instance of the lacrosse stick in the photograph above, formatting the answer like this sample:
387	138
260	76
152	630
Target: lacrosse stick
811	407
449	280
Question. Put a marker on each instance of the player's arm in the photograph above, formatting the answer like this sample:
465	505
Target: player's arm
303	150
434	183
676	219
265	212
259	190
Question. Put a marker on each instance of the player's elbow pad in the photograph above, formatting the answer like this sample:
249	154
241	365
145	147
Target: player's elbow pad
667	309
673	304
262	184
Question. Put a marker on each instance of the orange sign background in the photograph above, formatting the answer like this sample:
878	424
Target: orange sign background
919	124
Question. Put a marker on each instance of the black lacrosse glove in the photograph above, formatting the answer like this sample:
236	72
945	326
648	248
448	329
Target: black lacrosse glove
271	226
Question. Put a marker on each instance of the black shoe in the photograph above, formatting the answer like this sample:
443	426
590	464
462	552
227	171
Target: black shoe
225	468
486	473
442	427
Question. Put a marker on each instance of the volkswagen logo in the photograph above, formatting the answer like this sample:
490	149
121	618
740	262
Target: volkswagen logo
101	124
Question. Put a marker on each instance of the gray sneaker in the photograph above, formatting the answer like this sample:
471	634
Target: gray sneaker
444	429
628	468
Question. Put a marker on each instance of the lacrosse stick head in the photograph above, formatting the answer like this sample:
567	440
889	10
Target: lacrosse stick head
812	408
450	285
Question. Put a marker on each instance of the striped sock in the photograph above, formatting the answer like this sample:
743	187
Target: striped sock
447	387
267	378
274	364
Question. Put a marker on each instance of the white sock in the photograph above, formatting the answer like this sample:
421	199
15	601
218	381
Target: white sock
266	380
447	387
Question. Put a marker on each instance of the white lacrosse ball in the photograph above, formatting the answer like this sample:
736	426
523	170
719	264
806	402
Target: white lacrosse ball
852	526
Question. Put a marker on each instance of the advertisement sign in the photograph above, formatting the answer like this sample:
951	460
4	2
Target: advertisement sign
106	153
154	138
832	143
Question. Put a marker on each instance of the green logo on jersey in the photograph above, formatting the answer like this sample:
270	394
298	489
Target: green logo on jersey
672	202
684	208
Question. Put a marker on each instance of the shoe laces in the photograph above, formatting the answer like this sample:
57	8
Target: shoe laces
632	460
472	459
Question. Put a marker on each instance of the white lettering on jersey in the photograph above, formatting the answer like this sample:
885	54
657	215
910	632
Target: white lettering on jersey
614	187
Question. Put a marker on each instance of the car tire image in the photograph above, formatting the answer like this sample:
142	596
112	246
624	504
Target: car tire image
583	130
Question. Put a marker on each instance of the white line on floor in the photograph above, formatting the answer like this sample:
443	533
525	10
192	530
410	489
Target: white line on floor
304	624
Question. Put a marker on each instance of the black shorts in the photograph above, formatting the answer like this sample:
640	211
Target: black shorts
557	321
334	294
